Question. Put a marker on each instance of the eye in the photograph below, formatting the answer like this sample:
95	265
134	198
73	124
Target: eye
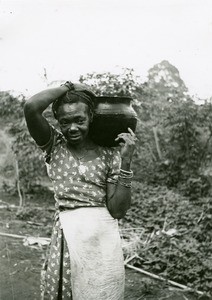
63	123
80	121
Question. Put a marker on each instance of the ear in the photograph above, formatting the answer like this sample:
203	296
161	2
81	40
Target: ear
91	116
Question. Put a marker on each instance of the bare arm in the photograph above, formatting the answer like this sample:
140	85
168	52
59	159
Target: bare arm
38	126
119	196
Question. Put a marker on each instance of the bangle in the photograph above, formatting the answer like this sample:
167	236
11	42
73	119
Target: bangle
127	185
126	174
125	181
69	85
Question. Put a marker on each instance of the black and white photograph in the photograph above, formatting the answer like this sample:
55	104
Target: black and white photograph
105	149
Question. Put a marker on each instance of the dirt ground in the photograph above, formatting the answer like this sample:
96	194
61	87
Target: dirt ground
20	264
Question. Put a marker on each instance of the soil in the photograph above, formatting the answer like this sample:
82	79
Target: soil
21	264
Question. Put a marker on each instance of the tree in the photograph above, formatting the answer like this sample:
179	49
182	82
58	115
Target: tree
165	80
29	165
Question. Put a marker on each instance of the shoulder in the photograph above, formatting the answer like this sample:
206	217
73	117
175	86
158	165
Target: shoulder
109	150
56	140
111	153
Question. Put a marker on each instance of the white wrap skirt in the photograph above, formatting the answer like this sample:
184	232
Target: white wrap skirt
85	259
96	258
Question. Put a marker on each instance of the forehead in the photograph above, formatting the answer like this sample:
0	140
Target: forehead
72	110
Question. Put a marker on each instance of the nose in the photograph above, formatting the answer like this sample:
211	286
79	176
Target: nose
72	127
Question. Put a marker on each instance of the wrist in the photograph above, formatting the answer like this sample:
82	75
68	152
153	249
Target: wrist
125	178
125	164
64	88
69	85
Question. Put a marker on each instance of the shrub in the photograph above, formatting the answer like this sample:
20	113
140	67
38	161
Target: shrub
175	235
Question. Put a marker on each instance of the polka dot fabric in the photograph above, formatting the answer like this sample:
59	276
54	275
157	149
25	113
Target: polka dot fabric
75	185
78	184
56	272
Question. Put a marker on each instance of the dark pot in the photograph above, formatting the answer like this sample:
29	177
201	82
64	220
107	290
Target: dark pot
112	115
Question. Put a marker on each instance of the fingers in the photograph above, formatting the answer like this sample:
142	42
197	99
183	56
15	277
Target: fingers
121	144
130	137
126	138
130	131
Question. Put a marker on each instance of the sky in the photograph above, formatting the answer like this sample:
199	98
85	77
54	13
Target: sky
70	38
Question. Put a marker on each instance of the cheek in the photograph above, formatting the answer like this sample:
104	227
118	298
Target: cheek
88	124
85	128
64	130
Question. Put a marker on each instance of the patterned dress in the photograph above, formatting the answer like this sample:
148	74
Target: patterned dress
84	259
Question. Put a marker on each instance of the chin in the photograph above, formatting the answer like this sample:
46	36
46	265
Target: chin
74	141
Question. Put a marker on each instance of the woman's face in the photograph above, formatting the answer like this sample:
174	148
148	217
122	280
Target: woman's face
74	119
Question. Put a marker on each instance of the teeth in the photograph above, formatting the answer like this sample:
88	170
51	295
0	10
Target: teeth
74	137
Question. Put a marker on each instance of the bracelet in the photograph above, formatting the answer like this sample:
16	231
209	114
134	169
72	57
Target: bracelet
124	180
69	85
126	174
127	185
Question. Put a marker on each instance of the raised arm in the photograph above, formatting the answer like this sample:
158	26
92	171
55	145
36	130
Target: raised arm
38	126
119	196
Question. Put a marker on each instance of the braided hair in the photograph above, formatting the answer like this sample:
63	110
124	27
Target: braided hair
73	97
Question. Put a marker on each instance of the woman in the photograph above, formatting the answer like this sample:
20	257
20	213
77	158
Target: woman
92	191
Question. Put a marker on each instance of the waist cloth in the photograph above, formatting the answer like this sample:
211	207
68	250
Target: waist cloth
85	259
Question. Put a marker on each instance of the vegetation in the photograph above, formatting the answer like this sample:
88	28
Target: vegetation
174	235
172	206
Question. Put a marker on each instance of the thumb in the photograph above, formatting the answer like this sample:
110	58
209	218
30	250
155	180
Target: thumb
122	144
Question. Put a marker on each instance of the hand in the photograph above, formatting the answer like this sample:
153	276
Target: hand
79	87
127	143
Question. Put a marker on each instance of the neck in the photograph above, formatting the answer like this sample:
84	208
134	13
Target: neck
86	144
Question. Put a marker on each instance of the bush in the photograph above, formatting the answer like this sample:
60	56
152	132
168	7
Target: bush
175	235
11	106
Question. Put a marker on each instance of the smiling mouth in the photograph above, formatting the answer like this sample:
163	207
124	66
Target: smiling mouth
73	137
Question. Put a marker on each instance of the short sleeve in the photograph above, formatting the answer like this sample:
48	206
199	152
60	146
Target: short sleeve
114	167
55	138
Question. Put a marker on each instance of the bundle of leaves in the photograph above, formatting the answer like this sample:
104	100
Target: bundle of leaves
109	84
175	238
